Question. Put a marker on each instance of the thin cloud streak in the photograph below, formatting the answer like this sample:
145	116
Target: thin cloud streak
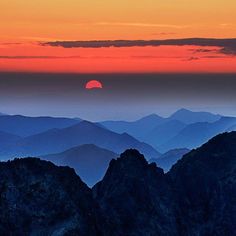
226	46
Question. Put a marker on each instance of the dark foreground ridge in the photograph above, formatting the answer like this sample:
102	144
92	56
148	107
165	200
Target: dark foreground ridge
195	198
39	198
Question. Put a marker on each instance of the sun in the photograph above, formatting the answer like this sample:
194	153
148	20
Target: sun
93	84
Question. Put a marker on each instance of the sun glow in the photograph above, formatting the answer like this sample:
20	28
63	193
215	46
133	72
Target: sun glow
93	84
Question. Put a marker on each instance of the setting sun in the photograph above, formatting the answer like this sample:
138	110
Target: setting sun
93	84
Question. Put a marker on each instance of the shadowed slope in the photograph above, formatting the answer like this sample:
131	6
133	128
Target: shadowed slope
38	198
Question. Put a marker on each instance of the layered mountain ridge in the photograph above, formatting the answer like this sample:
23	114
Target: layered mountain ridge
59	140
195	198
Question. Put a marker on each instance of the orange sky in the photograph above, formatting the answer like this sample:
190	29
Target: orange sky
27	22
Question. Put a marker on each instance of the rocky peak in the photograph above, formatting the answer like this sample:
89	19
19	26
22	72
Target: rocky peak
39	198
131	164
133	195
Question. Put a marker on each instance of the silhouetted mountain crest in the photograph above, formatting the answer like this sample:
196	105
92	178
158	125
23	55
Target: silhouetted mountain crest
205	187
39	198
135	198
195	198
217	153
132	162
132	159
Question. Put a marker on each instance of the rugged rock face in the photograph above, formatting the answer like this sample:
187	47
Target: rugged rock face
205	188
197	197
38	198
135	198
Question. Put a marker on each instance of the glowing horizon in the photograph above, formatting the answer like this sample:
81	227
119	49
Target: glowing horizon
24	24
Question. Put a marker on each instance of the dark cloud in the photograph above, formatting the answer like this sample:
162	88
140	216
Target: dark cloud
229	50
154	57
228	46
203	57
204	50
213	56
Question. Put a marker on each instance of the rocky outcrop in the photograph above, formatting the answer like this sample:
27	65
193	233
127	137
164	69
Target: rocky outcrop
38	198
135	198
204	181
195	198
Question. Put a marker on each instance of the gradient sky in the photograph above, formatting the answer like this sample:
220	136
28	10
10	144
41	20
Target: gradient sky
25	24
107	19
123	97
49	49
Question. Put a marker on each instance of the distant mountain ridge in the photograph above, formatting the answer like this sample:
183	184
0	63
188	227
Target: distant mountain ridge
136	128
151	121
59	140
183	129
39	198
168	159
151	134
189	117
157	130
26	126
196	134
7	138
164	132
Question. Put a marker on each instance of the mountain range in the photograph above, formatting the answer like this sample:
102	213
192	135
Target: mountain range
137	128
59	140
153	135
143	126
183	129
196	134
196	197
189	117
25	126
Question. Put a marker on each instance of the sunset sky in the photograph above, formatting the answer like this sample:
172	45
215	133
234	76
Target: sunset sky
27	26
